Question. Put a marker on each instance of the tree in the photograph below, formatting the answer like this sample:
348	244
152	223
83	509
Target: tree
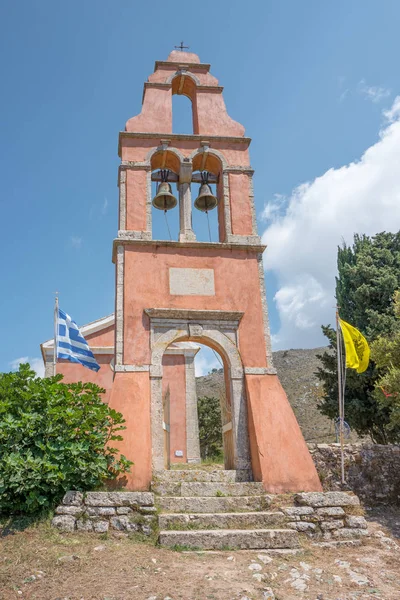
368	275
53	437
385	351
210	427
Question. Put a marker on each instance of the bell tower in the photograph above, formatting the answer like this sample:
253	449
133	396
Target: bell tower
192	291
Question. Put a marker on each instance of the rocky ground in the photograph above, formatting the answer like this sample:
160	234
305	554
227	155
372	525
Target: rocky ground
296	371
40	563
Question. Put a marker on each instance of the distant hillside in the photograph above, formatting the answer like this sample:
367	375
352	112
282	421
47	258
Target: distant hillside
296	370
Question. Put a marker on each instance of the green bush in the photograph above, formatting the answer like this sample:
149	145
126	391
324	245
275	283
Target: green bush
210	428
53	437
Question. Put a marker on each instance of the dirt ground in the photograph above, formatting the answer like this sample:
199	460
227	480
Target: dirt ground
40	563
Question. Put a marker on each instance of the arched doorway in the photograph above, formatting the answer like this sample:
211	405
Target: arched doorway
218	330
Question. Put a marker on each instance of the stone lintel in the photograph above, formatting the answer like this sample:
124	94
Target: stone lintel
260	371
173	65
193	315
126	238
131	368
197	138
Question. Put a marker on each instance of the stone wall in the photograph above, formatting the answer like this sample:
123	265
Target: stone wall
129	512
327	515
372	471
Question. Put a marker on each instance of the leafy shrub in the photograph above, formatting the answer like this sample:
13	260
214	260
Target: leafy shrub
53	437
210	428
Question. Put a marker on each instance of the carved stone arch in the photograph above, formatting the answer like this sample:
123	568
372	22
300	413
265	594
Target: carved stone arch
222	338
185	74
211	152
170	158
211	337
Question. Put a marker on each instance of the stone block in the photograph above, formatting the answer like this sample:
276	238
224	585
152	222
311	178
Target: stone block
330	525
119	499
97	511
214	505
147	509
64	522
322	499
101	526
84	525
146	530
302	526
124	510
242	538
123	523
72	498
298	511
330	511
75	511
350	532
356	522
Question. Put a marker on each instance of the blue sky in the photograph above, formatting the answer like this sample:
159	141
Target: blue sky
310	82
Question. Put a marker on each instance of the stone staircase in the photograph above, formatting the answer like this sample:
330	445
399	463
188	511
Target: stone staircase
218	510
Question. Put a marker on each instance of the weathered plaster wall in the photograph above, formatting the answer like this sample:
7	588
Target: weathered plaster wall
174	378
147	286
73	372
279	454
372	471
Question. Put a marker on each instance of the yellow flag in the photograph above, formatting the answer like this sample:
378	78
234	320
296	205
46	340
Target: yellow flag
357	349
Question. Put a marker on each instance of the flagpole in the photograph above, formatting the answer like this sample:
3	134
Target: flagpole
55	334
340	391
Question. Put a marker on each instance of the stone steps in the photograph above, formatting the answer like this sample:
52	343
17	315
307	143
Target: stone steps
207	489
193	475
220	539
247	520
209	504
218	510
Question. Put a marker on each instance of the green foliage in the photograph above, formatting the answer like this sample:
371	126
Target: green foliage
368	275
210	427
385	351
53	437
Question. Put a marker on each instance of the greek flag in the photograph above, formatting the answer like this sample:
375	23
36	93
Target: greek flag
71	345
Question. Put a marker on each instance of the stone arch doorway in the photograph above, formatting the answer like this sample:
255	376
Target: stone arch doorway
218	330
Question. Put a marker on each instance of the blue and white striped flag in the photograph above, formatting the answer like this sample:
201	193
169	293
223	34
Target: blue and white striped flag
71	345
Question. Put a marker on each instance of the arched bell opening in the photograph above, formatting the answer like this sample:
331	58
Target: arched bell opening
205	206
184	119
165	195
212	222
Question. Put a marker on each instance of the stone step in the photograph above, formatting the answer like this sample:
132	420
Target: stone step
207	488
247	520
214	539
197	504
219	475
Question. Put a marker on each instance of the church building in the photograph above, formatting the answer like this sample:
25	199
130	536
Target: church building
171	295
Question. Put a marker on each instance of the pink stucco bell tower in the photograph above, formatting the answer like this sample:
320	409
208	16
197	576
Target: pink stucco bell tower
213	293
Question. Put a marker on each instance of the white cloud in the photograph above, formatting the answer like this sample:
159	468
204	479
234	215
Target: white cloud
104	206
373	92
205	360
273	208
76	242
361	197
36	364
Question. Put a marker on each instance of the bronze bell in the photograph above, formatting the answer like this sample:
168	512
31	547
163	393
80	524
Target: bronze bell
164	199
206	200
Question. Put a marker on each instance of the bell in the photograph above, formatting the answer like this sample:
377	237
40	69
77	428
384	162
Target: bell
164	199
206	200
